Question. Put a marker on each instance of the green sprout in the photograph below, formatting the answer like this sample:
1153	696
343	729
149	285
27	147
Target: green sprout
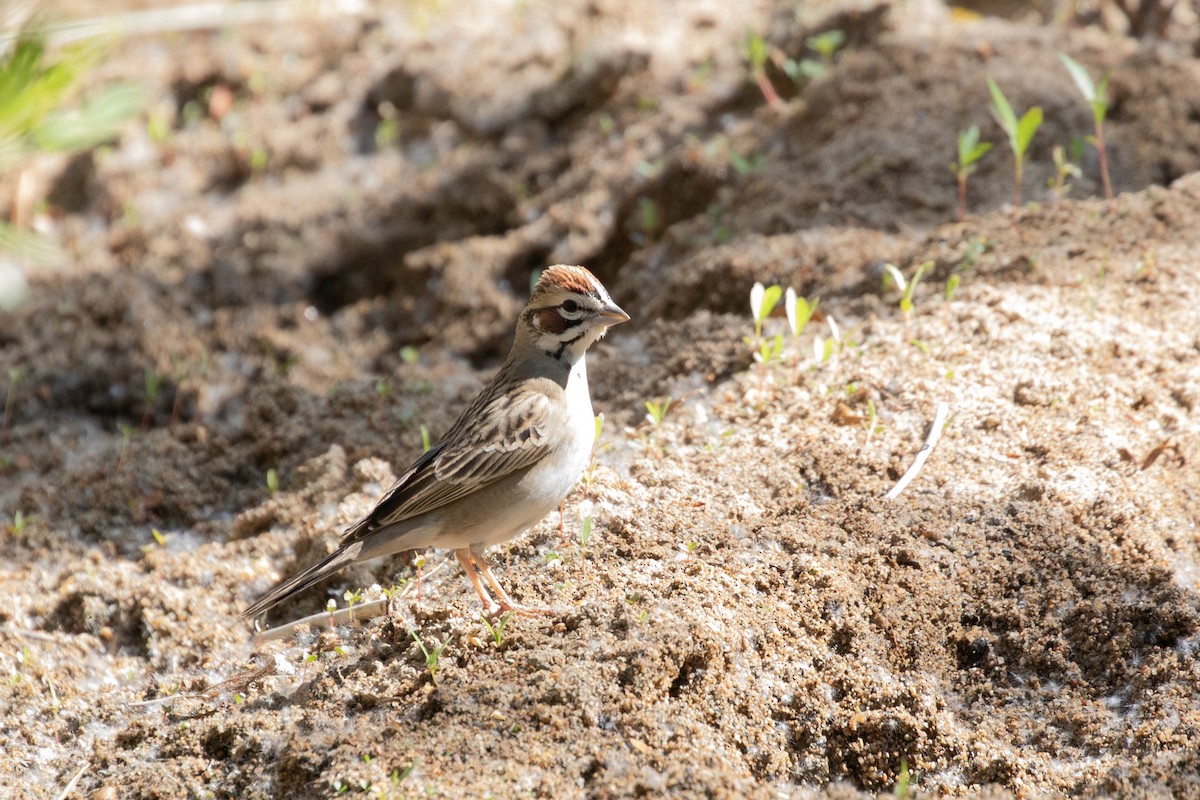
650	217
656	410
496	631
431	656
272	480
154	382
585	536
825	349
762	303
825	45
1020	133
907	288
425	443
799	311
952	286
745	165
690	546
352	598
871	423
1096	96
1064	168
904	782
769	349
159	537
756	55
19	523
970	150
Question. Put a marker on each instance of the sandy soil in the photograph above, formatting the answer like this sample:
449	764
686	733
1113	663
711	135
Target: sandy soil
326	253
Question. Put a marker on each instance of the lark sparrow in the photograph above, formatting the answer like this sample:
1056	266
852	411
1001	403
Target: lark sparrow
508	460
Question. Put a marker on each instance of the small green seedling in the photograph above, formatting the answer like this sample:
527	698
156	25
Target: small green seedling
585	536
825	349
770	349
970	150
746	165
799	311
907	288
272	480
1096	96
825	45
690	546
763	300
425	442
154	382
352	599
656	410
1064	169
651	218
19	523
756	55
952	286
496	631
871	423
431	656
1020	133
904	782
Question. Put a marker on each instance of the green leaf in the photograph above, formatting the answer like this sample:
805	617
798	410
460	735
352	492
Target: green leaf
1027	127
970	149
1100	104
1083	81
1003	111
94	122
770	299
967	141
756	51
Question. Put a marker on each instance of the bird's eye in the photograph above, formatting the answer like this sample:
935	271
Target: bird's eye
570	306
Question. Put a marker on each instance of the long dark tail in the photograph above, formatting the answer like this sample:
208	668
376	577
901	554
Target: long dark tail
335	561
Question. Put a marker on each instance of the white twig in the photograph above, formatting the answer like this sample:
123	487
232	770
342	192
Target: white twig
935	433
368	610
70	787
199	16
40	636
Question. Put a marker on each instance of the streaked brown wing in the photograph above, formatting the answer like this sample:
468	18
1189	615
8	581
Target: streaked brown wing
507	433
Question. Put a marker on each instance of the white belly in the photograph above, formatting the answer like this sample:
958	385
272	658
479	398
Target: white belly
507	508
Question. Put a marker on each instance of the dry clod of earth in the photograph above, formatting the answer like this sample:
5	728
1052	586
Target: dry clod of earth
326	260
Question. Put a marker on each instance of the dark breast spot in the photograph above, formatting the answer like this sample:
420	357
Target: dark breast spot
550	321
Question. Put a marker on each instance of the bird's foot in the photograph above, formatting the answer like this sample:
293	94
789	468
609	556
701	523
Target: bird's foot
497	610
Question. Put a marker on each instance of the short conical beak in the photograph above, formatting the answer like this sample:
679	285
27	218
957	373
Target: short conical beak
613	315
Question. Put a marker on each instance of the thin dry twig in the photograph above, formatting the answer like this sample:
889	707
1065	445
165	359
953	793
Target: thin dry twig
935	433
70	787
40	636
364	611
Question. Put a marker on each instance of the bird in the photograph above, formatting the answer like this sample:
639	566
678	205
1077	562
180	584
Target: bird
510	458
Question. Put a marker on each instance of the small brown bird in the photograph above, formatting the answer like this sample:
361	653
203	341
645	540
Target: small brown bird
508	460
